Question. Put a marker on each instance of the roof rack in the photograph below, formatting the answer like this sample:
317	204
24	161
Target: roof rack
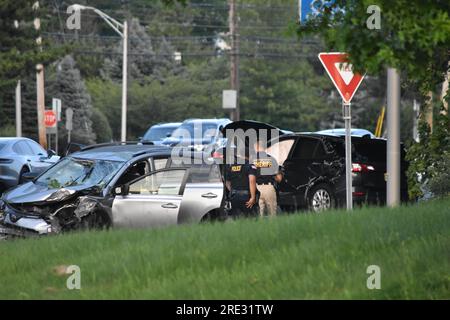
123	143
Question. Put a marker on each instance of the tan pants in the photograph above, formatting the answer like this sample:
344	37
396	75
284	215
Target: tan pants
267	199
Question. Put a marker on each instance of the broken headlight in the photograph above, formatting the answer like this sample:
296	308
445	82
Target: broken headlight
60	195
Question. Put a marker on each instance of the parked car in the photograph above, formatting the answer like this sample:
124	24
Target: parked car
158	132
198	134
121	185
19	156
314	171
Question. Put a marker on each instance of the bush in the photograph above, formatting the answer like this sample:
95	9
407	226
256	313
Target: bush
439	183
7	131
428	159
101	126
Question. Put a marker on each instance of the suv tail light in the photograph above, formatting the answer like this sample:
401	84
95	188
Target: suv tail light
217	155
360	167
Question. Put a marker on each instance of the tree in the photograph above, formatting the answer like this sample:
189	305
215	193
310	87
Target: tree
19	53
70	88
415	38
102	129
145	63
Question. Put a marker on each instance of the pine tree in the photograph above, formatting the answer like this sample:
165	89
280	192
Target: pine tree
19	53
147	63
70	88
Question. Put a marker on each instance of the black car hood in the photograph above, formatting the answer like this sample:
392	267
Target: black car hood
31	192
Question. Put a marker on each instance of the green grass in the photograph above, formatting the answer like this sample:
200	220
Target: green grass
301	256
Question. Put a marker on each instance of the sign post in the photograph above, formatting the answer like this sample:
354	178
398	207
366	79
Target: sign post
69	123
56	107
346	82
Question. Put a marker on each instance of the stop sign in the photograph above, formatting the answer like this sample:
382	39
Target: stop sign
50	119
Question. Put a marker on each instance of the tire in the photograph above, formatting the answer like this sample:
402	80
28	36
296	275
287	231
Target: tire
95	221
22	172
321	198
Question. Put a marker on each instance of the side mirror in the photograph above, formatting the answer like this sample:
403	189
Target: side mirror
168	135
51	153
122	190
29	176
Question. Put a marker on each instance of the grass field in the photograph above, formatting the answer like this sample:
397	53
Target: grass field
301	256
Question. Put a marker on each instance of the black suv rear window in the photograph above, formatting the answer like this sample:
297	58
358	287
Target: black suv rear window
369	151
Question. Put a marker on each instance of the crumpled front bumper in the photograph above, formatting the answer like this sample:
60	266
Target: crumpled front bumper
12	224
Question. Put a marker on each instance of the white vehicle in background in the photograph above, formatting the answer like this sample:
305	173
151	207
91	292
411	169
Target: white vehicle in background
158	132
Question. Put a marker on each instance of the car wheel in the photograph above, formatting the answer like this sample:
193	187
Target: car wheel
95	221
321	198
22	172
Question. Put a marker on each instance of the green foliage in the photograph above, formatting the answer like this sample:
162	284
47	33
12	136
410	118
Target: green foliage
287	95
440	181
70	88
7	131
19	52
101	126
428	158
195	94
414	36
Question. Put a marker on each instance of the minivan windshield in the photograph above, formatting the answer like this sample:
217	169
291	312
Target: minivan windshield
75	172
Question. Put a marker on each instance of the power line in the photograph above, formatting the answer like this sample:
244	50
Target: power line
262	40
198	54
193	23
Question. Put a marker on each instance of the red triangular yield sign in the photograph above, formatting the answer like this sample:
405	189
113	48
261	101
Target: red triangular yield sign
340	72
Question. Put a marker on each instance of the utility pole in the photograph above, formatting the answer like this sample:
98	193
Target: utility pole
18	110
234	65
393	140
123	135
40	84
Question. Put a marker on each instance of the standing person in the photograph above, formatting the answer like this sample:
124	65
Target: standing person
268	173
241	183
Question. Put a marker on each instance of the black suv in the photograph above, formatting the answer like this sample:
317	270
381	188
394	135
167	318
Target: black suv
314	171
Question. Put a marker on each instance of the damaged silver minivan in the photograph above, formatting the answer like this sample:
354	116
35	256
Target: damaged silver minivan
116	185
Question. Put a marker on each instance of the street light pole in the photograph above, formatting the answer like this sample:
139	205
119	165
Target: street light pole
124	82
113	23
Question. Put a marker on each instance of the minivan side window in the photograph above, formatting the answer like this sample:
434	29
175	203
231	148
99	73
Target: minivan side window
304	149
